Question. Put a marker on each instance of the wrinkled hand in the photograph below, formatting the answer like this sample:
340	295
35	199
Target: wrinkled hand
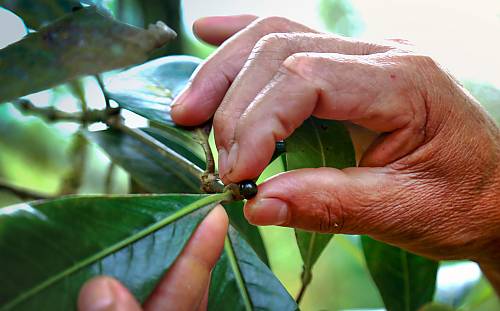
184	287
429	183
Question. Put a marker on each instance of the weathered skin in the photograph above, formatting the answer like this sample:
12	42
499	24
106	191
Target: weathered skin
430	183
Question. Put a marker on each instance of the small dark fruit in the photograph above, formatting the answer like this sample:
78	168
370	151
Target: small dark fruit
248	189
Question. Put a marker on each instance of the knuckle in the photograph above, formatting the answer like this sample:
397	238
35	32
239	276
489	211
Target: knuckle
271	24
271	41
301	64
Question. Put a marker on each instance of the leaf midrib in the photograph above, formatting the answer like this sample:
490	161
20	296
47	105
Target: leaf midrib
228	248
205	201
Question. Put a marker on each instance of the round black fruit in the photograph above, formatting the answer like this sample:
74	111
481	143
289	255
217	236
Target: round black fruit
248	189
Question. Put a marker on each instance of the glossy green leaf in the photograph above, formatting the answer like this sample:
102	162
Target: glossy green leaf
241	281
405	281
49	249
157	174
149	89
317	143
147	167
85	42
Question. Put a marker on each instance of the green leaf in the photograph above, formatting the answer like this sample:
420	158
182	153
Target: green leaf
157	174
149	89
86	42
49	249
241	281
149	168
405	281
36	13
436	307
317	143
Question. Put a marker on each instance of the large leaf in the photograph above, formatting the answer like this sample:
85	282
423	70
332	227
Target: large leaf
85	42
147	167
49	249
405	281
241	281
157	174
149	89
317	143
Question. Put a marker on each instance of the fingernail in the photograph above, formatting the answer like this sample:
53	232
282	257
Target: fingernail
222	162
231	158
268	211
181	98
98	297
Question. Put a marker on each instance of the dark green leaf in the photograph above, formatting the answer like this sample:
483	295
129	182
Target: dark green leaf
247	231
150	169
241	281
82	43
148	89
317	143
157	174
49	249
405	281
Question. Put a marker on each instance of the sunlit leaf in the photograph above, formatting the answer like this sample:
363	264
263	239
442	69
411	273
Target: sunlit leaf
149	89
81	43
317	143
49	249
405	281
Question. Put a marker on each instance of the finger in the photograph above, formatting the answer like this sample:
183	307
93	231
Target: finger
373	91
106	293
217	29
198	102
186	282
264	61
351	201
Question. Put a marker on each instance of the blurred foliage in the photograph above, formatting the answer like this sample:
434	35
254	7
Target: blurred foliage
341	17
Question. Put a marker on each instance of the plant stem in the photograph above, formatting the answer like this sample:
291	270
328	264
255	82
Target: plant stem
22	193
306	280
103	90
52	114
161	149
209	179
108	183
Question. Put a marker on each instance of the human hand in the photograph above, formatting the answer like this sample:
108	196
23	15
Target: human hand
185	285
429	183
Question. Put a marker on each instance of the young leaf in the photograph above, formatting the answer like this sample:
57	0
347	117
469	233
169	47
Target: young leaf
241	281
149	89
405	281
317	143
49	249
86	42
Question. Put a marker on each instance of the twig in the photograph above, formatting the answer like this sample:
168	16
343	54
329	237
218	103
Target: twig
23	193
103	90
52	114
306	280
209	179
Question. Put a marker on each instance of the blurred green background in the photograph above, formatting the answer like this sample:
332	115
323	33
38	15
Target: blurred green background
464	36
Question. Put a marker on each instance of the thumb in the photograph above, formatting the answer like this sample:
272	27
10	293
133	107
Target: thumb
354	200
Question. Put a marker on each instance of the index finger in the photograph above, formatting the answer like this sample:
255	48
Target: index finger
185	284
199	101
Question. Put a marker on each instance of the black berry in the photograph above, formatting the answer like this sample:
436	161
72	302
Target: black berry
248	189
